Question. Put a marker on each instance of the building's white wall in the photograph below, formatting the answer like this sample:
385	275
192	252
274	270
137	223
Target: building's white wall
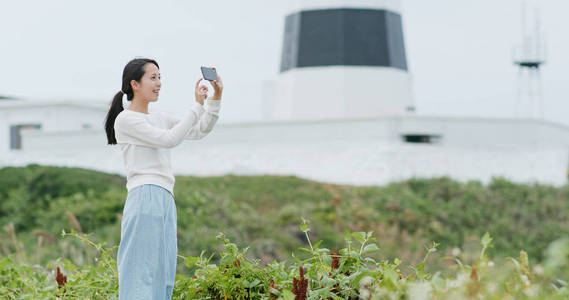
301	5
455	132
348	162
487	132
269	94
67	139
361	152
52	119
371	163
4	132
330	92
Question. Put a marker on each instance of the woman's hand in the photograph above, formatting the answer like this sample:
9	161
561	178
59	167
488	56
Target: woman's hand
217	87
200	92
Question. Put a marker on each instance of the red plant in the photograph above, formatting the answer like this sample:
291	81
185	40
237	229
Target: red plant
61	279
299	286
473	273
401	276
335	261
276	287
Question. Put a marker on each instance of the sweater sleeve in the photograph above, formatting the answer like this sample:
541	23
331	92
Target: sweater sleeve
204	125
140	132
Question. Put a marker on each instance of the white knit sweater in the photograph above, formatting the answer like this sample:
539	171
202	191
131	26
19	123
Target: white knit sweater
146	139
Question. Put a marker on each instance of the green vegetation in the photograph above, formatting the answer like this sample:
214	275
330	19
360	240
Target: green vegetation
348	274
261	213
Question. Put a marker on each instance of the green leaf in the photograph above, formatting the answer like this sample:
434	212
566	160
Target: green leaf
322	293
288	295
190	261
370	248
254	283
227	260
231	248
486	240
315	246
347	235
396	261
304	225
361	274
370	260
390	279
420	267
328	282
359	236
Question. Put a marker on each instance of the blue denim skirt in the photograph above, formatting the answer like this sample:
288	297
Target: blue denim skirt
148	247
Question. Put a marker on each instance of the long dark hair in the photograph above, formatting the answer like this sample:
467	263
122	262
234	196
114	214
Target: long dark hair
134	70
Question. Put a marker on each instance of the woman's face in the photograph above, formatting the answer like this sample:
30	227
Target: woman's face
149	86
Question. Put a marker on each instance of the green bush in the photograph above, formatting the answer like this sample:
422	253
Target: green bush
262	212
350	273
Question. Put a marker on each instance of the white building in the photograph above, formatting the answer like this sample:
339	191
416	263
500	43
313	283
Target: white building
20	116
363	137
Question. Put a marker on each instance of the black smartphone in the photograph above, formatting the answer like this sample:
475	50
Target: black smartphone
209	74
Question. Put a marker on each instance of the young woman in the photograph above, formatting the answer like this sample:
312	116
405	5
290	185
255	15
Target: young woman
148	246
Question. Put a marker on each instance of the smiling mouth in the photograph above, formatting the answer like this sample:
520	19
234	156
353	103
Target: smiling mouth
156	91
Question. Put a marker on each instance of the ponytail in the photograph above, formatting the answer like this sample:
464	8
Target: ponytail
116	108
134	70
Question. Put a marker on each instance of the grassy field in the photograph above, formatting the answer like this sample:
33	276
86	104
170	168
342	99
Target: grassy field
263	213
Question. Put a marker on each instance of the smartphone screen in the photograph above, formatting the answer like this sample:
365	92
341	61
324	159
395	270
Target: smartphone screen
209	74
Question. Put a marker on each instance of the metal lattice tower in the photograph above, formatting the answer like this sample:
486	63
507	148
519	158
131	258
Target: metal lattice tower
529	56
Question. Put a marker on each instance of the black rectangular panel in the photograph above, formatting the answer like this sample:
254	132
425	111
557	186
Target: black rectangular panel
361	37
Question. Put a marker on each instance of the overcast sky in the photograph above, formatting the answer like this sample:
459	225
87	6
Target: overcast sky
459	52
